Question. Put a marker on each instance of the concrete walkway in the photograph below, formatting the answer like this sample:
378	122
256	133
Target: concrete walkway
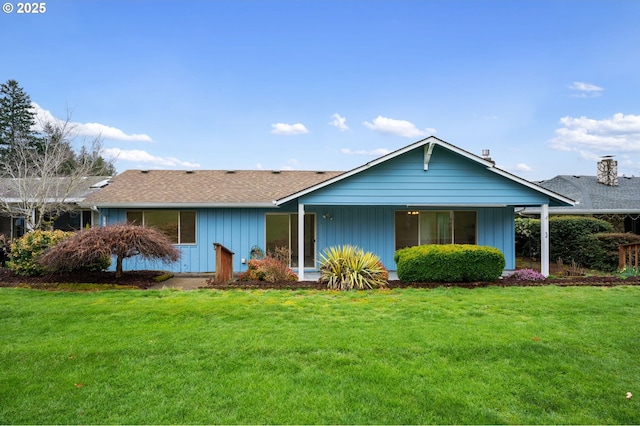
184	282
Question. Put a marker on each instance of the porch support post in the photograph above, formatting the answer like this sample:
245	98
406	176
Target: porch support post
544	240
300	242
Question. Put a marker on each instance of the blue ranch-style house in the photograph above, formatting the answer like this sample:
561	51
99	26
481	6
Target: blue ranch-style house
430	192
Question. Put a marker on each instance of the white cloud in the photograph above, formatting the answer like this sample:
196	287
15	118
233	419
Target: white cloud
139	156
339	122
87	129
589	137
292	164
402	128
379	152
521	167
585	90
288	129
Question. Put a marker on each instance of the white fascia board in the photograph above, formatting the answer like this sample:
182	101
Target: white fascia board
568	210
416	206
46	200
177	205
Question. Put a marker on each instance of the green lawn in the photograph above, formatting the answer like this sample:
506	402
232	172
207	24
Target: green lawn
492	355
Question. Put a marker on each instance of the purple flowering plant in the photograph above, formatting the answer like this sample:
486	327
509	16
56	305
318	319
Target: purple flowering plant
527	275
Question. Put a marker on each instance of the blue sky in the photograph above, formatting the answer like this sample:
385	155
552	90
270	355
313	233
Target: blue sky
547	86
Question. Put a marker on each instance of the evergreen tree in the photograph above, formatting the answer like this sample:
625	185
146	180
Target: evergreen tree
99	166
17	118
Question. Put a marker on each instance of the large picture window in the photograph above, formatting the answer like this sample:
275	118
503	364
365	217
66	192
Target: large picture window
435	227
179	226
282	232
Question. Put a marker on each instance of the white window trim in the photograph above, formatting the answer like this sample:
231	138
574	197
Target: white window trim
179	243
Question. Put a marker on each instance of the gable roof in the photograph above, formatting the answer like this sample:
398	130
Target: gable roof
596	198
202	188
428	145
58	188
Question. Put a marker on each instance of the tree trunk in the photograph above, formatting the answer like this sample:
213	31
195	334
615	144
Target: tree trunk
118	266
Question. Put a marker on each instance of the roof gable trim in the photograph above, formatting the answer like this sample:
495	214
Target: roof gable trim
428	143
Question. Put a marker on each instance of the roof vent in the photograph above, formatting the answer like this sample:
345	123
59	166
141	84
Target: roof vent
608	171
100	184
320	172
189	172
486	155
275	172
231	171
144	171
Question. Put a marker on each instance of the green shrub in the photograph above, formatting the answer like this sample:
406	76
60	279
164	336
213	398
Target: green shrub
628	272
600	251
348	267
164	277
527	233
25	251
449	263
566	233
268	269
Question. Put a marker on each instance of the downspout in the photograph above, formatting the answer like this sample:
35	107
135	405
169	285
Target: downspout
544	240
300	242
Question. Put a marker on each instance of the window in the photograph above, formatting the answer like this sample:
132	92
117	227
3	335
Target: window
282	231
435	227
179	226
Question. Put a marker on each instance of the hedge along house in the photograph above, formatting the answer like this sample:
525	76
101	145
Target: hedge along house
429	192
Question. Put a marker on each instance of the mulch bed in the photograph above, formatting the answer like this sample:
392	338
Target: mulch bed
564	282
146	279
140	279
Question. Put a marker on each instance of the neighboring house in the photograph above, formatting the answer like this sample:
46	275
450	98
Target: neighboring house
606	196
429	192
12	224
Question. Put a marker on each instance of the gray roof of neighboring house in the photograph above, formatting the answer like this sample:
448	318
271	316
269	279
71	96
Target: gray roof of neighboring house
58	189
203	188
595	198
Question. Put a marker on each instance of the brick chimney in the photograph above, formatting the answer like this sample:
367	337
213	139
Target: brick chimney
608	171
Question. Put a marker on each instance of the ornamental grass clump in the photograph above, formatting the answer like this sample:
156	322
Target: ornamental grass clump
348	267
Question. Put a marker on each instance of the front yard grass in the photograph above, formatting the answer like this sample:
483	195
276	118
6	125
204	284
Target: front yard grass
526	355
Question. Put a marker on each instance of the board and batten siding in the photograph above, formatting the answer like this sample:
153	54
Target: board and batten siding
238	229
451	179
372	228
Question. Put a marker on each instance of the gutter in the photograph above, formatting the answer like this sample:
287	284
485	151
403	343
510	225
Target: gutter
129	205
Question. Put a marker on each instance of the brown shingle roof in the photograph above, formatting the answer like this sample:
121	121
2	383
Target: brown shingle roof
163	188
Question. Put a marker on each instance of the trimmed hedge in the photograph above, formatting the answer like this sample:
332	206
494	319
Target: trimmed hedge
527	232
449	263
600	251
566	234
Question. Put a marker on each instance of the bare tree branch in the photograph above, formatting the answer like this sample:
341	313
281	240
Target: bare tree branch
45	178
